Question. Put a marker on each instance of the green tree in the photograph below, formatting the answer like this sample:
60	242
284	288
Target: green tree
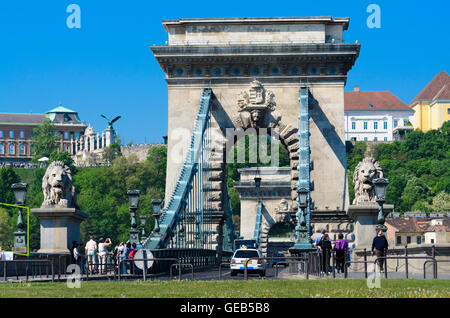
7	178
6	230
416	190
441	202
112	152
45	141
65	157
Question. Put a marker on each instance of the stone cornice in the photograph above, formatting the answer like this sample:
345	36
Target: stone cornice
258	20
194	52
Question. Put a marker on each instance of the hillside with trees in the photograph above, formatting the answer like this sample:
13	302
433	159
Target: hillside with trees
417	169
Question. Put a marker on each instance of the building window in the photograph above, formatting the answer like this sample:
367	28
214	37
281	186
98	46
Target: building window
385	125
66	147
2	149
21	134
395	123
375	125
1	133
375	138
77	135
432	241
365	125
353	125
66	135
419	240
11	134
12	149
22	149
405	122
399	240
408	240
365	138
448	111
385	138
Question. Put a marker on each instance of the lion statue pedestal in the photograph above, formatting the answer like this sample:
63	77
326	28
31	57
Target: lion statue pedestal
59	214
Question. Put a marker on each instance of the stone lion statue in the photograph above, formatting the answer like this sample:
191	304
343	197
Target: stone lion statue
57	186
365	172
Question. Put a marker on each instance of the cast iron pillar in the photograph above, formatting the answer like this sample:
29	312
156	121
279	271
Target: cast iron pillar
303	241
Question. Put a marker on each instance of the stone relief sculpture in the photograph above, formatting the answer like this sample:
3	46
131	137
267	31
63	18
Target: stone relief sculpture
253	106
282	211
365	172
57	187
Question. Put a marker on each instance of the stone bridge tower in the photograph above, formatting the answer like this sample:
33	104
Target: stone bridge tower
239	57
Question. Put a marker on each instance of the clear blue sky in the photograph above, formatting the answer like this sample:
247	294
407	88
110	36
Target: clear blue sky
106	67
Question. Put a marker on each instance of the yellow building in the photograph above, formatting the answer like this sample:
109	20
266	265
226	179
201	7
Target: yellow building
432	105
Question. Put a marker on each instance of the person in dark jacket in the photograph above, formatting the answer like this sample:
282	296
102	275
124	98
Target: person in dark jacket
379	248
325	246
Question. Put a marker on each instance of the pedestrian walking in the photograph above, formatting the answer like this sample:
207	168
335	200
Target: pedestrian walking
341	250
91	251
325	246
379	248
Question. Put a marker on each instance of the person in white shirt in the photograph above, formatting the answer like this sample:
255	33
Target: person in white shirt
102	252
91	249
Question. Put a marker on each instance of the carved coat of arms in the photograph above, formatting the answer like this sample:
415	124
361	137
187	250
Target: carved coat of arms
254	104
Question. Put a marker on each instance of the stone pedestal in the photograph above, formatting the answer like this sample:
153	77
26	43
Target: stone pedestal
366	221
59	228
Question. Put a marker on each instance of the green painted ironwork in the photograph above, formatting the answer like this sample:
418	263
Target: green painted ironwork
257	232
303	241
229	234
186	221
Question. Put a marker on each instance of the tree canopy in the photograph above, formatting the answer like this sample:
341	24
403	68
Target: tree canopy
44	140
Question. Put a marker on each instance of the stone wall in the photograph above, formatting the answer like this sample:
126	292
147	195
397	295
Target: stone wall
140	151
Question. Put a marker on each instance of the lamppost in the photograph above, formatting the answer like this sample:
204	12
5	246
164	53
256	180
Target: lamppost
380	195
143	222
133	196
156	214
20	236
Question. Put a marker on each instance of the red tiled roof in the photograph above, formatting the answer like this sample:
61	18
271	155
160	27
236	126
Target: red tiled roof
417	224
22	118
380	100
435	89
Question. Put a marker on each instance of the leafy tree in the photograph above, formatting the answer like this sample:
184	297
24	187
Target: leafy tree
45	141
6	230
441	202
112	152
65	157
7	178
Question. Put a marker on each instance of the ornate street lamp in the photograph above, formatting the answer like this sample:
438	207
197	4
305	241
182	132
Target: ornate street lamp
133	196
303	204
257	182
20	236
143	219
156	214
380	185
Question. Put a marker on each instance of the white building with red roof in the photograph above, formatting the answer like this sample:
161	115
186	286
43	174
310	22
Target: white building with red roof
375	116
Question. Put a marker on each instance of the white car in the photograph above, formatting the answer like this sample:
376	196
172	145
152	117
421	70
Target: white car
244	254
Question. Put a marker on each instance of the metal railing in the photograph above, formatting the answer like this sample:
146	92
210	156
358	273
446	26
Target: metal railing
30	264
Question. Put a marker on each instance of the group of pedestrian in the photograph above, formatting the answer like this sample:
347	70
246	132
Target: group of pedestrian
125	252
326	247
340	247
95	253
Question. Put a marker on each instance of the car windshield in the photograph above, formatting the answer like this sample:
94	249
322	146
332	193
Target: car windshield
246	254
